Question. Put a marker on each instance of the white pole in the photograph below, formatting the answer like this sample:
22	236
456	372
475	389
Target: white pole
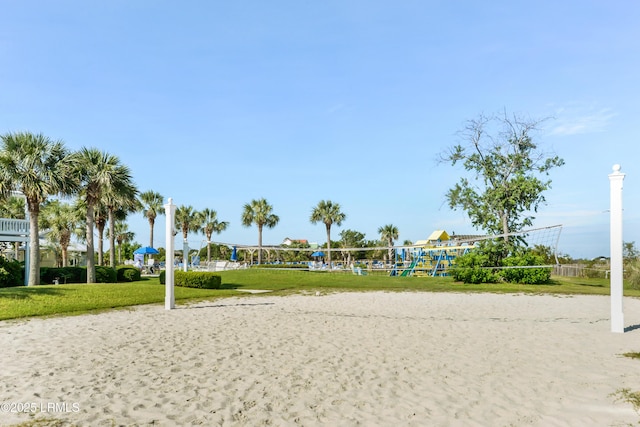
185	255
617	315
169	298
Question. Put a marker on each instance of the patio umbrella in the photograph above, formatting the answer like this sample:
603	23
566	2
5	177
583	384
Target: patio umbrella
146	250
318	253
234	254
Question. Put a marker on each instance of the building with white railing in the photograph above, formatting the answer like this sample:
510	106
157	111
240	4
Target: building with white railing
16	231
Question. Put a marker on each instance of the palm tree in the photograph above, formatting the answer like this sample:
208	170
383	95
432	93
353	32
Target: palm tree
210	224
37	167
100	173
100	222
389	233
13	207
60	220
188	220
151	207
328	213
119	203
259	212
122	235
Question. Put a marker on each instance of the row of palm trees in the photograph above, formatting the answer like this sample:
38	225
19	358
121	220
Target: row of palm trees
41	168
186	218
260	212
105	196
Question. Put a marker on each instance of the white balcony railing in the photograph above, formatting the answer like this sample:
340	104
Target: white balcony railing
14	227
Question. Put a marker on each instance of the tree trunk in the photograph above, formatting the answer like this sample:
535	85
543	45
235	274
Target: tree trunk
151	223
64	244
329	244
505	228
112	240
91	263
100	226
65	255
259	244
34	250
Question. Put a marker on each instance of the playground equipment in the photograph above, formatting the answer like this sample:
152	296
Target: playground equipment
436	255
432	257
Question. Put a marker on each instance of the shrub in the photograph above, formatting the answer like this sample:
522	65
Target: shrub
197	279
472	268
474	275
105	274
11	273
529	276
632	273
194	279
63	274
76	275
128	274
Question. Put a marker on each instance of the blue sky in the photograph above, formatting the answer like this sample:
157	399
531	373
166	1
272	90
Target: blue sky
217	103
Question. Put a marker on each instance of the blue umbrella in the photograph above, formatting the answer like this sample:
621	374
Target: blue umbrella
318	253
234	254
146	250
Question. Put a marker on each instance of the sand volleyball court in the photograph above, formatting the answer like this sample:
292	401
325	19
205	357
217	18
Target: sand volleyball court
344	359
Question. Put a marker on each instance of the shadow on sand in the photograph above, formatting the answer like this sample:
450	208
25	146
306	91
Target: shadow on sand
631	328
243	304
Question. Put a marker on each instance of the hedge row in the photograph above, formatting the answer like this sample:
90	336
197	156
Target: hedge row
477	267
48	275
194	279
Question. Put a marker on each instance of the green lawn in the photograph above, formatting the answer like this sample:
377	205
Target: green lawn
49	300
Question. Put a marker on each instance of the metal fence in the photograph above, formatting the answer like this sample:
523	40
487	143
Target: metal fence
581	270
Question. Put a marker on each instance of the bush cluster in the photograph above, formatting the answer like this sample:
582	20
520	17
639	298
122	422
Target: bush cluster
48	275
63	274
194	279
632	273
477	267
527	276
104	275
471	268
128	274
11	273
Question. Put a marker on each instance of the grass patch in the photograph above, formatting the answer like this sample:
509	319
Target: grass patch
44	422
282	280
47	300
50	300
628	396
625	394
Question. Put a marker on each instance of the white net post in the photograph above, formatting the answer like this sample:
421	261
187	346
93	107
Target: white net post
169	298
617	315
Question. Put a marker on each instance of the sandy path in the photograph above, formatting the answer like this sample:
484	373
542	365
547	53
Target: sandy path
370	359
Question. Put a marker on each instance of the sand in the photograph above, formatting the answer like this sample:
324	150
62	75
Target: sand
344	359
